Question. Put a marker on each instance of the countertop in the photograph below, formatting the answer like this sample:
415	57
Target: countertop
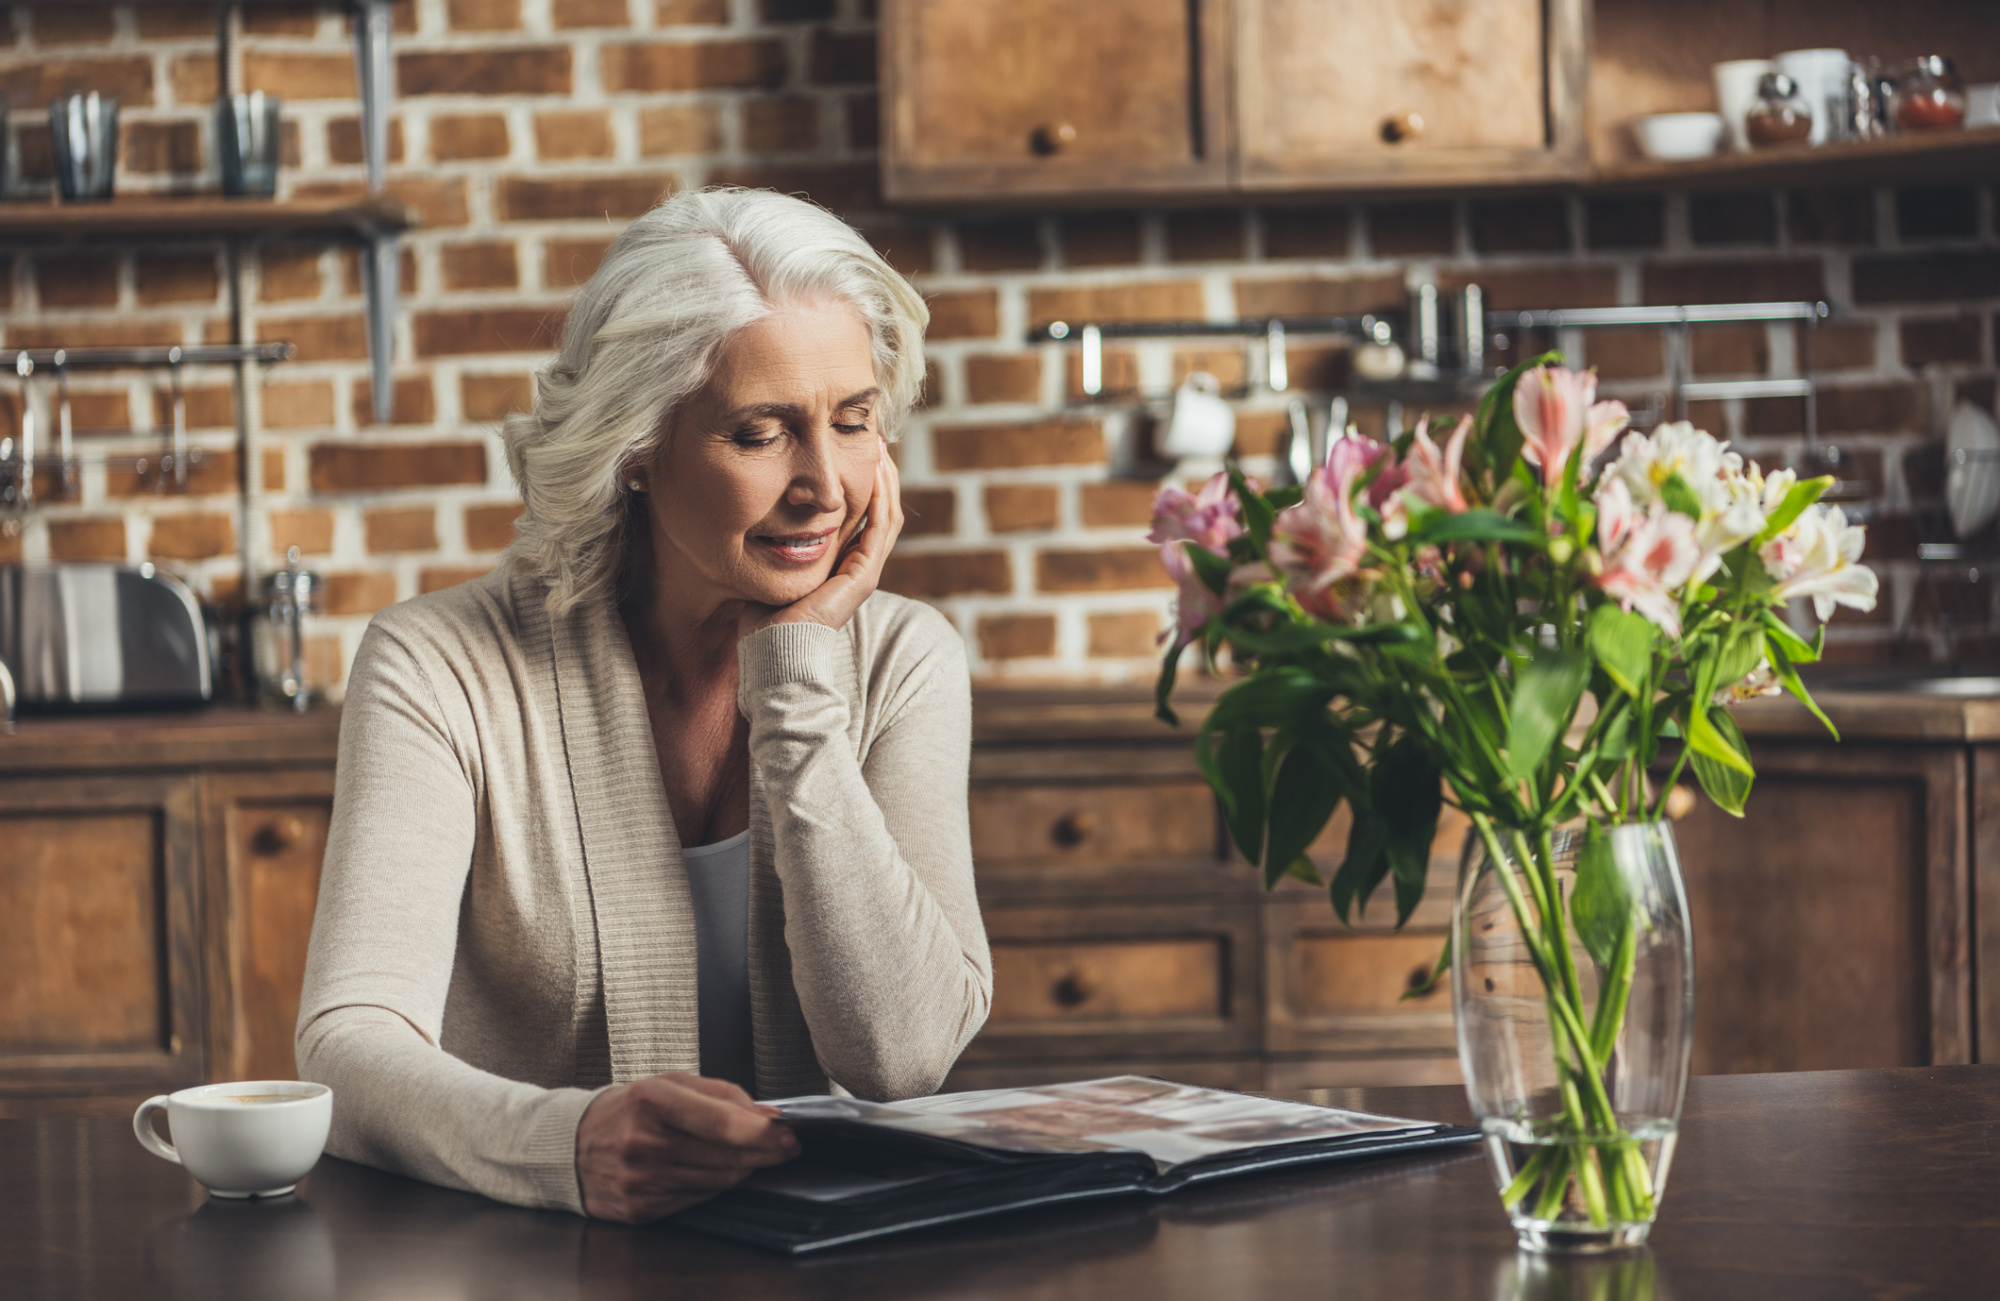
1003	716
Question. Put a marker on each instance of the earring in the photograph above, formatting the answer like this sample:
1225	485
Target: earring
635	485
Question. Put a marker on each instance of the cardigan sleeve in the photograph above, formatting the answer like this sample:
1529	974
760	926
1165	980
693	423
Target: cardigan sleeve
380	962
874	856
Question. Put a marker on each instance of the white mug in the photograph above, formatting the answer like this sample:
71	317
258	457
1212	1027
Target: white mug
253	1138
1202	423
1735	91
1822	78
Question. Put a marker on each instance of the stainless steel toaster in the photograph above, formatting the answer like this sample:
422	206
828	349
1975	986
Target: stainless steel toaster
101	636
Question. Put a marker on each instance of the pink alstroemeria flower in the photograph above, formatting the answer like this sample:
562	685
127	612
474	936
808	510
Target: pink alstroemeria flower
1433	474
1646	556
1556	409
1209	518
1195	605
1322	541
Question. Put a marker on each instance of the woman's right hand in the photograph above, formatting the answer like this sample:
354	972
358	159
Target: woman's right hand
658	1145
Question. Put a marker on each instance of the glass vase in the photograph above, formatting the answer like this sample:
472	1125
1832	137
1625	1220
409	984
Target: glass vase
1573	993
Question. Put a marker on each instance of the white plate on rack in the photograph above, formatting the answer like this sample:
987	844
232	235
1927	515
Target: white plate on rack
1972	475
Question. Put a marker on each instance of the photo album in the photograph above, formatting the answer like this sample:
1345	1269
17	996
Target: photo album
869	1169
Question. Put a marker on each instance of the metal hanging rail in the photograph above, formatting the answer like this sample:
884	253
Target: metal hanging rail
1090	337
18	461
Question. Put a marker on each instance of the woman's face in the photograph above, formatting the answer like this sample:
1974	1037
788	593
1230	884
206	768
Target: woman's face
768	469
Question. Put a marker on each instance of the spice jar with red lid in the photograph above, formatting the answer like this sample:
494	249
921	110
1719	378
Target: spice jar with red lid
1781	115
1930	95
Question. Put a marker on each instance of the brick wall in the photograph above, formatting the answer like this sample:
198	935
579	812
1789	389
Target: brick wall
526	130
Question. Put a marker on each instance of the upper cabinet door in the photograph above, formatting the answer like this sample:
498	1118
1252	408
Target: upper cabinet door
1034	98
1336	94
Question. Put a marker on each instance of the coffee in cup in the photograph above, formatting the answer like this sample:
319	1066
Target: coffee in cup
254	1138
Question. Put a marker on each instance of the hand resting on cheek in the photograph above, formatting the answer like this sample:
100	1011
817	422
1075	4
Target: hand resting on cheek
859	570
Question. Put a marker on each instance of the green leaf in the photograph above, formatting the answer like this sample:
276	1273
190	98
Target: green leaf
1680	496
1257	510
1299	636
1306	793
1601	903
1408	792
1711	742
1476	525
1212	567
1779	633
1728	784
1803	494
1438	968
1304	869
1545	695
1285	495
1743	652
1623	643
1278	697
1615	742
1163	689
1781	664
1367	862
1235	770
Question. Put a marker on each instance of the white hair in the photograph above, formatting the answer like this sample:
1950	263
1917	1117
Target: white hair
642	337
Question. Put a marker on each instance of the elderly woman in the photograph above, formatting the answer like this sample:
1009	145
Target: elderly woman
668	812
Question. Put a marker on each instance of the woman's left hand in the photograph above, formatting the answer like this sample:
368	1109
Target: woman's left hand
854	579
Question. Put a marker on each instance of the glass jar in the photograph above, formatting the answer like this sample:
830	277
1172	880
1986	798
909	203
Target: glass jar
1781	116
278	635
1930	95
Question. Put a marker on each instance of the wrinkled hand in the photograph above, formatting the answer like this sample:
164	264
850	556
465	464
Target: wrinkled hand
854	579
658	1145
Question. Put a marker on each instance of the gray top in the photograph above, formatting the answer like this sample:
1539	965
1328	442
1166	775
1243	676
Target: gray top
719	888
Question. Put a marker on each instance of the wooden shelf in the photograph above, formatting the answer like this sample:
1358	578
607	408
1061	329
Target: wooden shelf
1942	155
202	217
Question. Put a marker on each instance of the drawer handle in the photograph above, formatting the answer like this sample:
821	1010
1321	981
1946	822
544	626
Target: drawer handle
1075	989
1402	126
1052	138
1074	827
283	834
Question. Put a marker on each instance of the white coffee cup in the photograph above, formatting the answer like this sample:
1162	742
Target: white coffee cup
1202	423
1735	91
1822	78
253	1138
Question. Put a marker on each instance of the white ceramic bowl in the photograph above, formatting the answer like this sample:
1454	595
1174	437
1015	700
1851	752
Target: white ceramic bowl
1675	137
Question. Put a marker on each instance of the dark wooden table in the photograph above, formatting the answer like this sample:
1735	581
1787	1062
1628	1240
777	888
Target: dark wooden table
1825	1186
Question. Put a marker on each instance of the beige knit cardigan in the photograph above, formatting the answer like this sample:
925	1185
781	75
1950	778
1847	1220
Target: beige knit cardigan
504	924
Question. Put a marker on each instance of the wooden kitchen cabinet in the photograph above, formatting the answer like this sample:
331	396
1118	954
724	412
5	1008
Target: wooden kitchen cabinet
100	959
1037	100
1360	94
267	837
1049	97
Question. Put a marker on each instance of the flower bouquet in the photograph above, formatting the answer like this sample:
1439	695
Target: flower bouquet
1501	613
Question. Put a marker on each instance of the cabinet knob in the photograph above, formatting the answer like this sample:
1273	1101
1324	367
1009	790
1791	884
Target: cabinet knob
1398	127
281	833
1074	827
1052	138
1418	977
1074	988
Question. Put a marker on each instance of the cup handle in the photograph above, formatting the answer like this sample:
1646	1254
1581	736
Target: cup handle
149	1138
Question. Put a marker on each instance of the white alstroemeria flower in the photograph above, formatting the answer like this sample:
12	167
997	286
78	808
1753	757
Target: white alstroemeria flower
1772	488
1646	461
1760	681
1819	556
1733	516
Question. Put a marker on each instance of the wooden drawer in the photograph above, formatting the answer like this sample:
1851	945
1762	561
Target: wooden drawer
1107	981
1290	1074
1102	824
1334	990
